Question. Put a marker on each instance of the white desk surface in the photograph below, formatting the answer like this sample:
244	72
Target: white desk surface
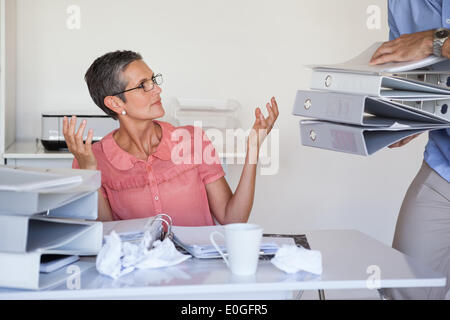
346	254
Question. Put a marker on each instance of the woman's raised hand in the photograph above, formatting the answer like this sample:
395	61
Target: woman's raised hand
262	126
82	151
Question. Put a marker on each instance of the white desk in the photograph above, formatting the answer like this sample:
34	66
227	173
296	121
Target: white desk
346	254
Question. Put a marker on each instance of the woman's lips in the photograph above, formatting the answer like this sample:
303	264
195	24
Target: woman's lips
156	103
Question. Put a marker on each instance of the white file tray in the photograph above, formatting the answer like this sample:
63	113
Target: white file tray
78	201
213	113
56	236
26	234
13	179
352	108
23	272
360	140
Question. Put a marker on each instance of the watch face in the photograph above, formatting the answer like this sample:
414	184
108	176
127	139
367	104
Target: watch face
442	34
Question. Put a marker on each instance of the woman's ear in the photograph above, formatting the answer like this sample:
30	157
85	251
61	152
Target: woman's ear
114	104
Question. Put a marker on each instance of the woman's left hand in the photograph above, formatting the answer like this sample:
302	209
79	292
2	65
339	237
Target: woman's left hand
262	126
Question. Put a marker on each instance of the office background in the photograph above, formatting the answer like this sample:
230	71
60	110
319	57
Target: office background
245	50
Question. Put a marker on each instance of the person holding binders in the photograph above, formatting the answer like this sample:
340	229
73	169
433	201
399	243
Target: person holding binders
417	30
149	166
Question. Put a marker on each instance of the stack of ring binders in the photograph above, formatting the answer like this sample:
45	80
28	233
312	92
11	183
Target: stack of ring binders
360	109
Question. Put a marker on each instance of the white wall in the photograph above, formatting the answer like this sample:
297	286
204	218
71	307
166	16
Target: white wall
7	74
248	50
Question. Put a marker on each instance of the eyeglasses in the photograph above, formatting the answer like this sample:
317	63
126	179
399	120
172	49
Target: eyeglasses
146	85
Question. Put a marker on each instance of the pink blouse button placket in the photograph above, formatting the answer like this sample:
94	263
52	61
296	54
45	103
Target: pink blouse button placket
154	188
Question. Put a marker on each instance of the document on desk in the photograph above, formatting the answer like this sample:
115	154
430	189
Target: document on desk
195	240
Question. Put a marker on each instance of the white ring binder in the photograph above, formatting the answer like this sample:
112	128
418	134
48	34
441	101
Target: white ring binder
328	81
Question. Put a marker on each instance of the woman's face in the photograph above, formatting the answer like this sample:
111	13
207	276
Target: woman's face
139	103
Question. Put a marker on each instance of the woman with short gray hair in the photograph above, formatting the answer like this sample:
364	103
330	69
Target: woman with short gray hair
143	173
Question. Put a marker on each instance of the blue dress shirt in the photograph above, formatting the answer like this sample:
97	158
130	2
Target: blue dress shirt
410	16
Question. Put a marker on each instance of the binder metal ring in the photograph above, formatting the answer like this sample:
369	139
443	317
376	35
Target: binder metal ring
165	219
328	81
307	104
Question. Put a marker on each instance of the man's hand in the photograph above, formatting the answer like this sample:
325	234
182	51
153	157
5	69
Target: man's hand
81	151
402	142
407	47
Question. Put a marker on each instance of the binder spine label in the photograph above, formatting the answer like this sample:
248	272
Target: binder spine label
328	136
330	106
343	140
343	82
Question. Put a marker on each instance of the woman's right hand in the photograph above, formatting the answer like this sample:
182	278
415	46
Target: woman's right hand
81	151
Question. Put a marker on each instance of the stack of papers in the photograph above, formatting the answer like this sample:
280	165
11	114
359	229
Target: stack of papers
195	240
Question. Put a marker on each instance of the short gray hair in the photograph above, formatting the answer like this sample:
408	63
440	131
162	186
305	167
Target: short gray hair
104	77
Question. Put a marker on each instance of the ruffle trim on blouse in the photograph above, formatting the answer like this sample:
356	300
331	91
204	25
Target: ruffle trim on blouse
141	181
127	183
173	172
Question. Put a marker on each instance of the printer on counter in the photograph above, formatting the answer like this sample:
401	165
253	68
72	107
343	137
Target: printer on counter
52	136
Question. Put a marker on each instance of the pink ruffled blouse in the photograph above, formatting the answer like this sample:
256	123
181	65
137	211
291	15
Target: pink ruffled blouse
171	181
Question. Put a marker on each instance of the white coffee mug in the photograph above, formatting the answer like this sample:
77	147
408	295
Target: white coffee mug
243	242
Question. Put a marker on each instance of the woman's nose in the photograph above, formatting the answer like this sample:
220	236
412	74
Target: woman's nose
156	89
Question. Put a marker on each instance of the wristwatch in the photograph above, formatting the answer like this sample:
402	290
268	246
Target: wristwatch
440	35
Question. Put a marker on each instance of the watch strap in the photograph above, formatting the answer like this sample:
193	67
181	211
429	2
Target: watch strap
438	43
